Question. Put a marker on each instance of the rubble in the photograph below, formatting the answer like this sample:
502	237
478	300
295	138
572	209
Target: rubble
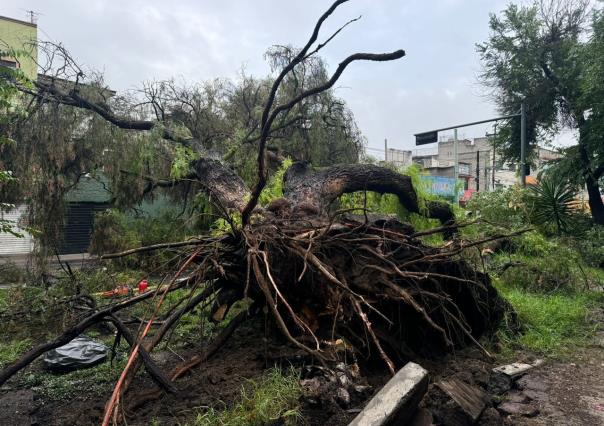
397	400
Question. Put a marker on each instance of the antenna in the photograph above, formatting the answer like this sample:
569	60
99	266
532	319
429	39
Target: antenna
33	16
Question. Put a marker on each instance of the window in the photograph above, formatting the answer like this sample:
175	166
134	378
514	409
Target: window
8	63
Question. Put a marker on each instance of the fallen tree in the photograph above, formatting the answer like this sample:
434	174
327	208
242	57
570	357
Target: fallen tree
330	281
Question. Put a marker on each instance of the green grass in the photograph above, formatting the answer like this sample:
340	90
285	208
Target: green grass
65	386
10	351
553	325
274	397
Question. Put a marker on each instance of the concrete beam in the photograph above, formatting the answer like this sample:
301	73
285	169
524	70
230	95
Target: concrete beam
396	402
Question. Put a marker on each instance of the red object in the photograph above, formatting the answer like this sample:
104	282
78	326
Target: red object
142	286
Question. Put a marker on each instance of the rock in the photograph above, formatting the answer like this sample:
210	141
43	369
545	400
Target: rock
499	384
536	395
481	376
517	369
396	402
533	383
518	409
362	389
490	417
311	387
343	397
423	417
517	397
343	379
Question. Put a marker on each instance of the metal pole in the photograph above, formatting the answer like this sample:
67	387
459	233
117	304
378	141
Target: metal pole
477	170
523	144
493	171
456	166
385	150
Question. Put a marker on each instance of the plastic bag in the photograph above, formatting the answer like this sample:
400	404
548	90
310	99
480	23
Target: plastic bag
81	352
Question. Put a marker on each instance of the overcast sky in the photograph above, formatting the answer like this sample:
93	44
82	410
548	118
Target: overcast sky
434	86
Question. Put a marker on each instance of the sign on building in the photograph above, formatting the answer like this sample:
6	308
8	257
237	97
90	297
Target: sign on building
442	186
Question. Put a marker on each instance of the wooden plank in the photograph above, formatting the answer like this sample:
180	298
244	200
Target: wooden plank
470	399
397	400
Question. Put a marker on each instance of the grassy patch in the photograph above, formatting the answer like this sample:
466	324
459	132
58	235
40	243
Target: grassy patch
274	397
65	386
10	351
553	324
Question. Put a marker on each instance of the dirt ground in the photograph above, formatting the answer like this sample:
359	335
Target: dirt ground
563	393
567	393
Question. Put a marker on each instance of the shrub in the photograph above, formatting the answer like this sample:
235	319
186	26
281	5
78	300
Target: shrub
532	261
591	246
504	207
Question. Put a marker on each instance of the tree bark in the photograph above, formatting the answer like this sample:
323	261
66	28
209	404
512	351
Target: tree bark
591	184
304	186
226	189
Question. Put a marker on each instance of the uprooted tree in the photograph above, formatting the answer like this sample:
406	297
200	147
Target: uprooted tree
324	275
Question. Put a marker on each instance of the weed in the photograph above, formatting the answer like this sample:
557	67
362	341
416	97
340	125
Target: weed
10	351
553	324
275	398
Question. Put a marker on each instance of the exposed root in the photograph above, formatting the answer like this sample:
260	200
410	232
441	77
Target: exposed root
323	282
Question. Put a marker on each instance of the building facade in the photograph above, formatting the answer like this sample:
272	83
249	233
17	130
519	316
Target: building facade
19	36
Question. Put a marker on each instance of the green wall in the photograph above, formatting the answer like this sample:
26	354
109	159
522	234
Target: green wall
21	35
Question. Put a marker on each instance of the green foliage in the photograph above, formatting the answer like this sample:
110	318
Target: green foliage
591	246
116	231
553	325
503	207
552	199
546	55
273	399
11	350
536	263
11	111
274	186
181	164
10	273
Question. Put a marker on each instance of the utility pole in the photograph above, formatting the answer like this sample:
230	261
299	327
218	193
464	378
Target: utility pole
385	150
494	159
477	170
456	166
523	144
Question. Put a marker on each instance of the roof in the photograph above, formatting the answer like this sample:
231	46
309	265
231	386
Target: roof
18	21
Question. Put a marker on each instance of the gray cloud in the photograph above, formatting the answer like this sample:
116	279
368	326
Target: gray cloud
433	86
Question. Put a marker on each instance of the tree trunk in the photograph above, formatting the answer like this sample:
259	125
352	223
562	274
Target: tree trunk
304	187
226	189
591	183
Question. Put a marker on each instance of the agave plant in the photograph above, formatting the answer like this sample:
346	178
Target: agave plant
552	200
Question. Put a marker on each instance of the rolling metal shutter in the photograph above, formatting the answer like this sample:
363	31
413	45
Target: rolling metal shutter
78	226
9	244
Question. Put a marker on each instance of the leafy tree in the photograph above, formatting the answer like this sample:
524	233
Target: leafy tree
69	132
539	54
12	111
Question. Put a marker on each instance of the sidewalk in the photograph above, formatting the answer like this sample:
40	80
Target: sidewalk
75	260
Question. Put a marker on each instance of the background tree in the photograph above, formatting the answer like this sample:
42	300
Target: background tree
538	53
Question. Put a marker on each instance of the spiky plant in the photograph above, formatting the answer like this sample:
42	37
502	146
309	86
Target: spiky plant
552	199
